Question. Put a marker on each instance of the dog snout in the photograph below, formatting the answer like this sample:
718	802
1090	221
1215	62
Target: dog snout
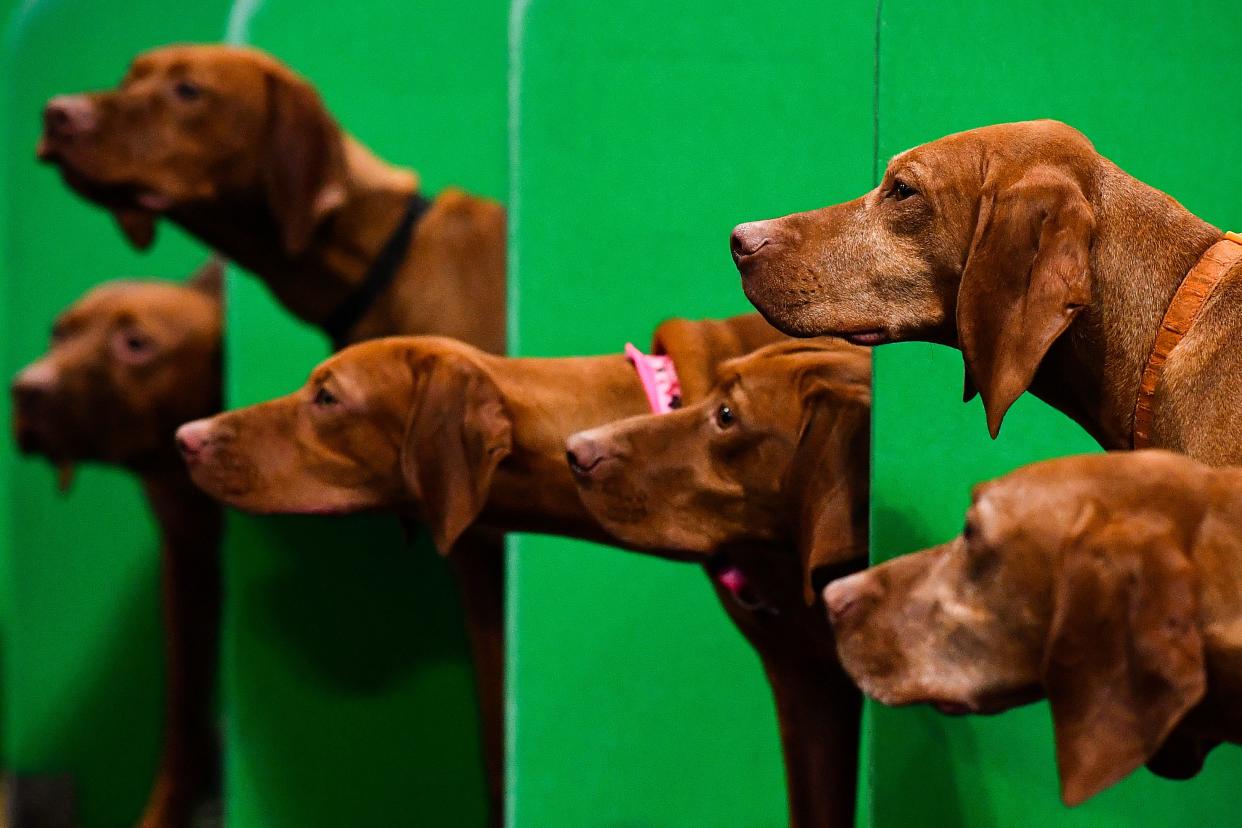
193	439
846	596
67	116
34	385
748	239
584	454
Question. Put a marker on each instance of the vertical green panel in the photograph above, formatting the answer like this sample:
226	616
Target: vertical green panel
1145	81
643	132
347	668
82	670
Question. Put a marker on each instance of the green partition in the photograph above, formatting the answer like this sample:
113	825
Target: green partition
350	689
642	132
82	658
1147	83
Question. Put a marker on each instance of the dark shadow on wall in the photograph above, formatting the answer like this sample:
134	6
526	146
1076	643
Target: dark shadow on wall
349	675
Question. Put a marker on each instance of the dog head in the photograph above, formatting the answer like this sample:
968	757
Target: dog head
776	451
386	424
196	124
1071	579
129	362
980	240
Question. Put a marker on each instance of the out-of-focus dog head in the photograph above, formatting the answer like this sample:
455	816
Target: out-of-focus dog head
201	123
385	424
980	240
1072	579
776	451
129	362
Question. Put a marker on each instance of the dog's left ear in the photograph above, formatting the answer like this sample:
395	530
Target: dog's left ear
303	169
829	479
1026	277
209	278
137	225
698	346
457	434
1124	658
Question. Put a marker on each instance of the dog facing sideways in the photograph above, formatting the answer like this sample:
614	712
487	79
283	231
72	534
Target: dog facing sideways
240	151
1108	583
1047	265
129	362
765	483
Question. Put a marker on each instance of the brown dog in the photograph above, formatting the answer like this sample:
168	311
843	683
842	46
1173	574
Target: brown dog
1108	583
435	429
1047	265
765	483
239	150
439	430
130	361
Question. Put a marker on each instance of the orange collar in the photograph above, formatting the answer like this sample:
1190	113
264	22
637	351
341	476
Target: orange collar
1192	294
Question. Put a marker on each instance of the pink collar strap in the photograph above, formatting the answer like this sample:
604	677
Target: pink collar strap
659	378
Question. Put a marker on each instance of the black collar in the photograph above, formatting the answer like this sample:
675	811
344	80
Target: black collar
378	276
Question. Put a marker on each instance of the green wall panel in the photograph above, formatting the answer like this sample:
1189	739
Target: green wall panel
1143	81
642	132
347	669
82	669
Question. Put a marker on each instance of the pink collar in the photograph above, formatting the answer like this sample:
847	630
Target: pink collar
659	378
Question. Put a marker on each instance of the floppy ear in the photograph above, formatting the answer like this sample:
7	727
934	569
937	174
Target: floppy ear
209	278
137	225
457	434
829	480
303	169
1124	659
1026	277
699	346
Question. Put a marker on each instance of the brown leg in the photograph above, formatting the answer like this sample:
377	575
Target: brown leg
189	770
479	562
819	711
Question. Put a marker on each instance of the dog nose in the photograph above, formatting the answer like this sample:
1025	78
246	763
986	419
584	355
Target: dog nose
583	454
68	115
34	384
748	239
192	438
845	596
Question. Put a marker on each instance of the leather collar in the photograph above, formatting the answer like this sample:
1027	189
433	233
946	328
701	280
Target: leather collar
379	275
1192	294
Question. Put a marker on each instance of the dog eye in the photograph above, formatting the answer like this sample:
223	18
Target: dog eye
187	91
902	190
136	343
968	531
725	416
325	398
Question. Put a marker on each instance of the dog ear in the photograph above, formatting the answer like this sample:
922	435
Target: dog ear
1026	277
137	225
699	346
457	434
1124	658
209	278
303	169
829	479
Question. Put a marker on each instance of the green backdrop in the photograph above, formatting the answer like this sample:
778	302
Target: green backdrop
81	638
347	669
642	132
1145	81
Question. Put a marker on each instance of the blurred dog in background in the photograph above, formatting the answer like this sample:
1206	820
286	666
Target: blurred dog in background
129	362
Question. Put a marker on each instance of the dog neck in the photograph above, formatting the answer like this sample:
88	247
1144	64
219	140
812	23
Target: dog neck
1092	373
314	282
533	489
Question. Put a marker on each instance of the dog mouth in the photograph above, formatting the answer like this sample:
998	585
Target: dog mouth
868	338
734	580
